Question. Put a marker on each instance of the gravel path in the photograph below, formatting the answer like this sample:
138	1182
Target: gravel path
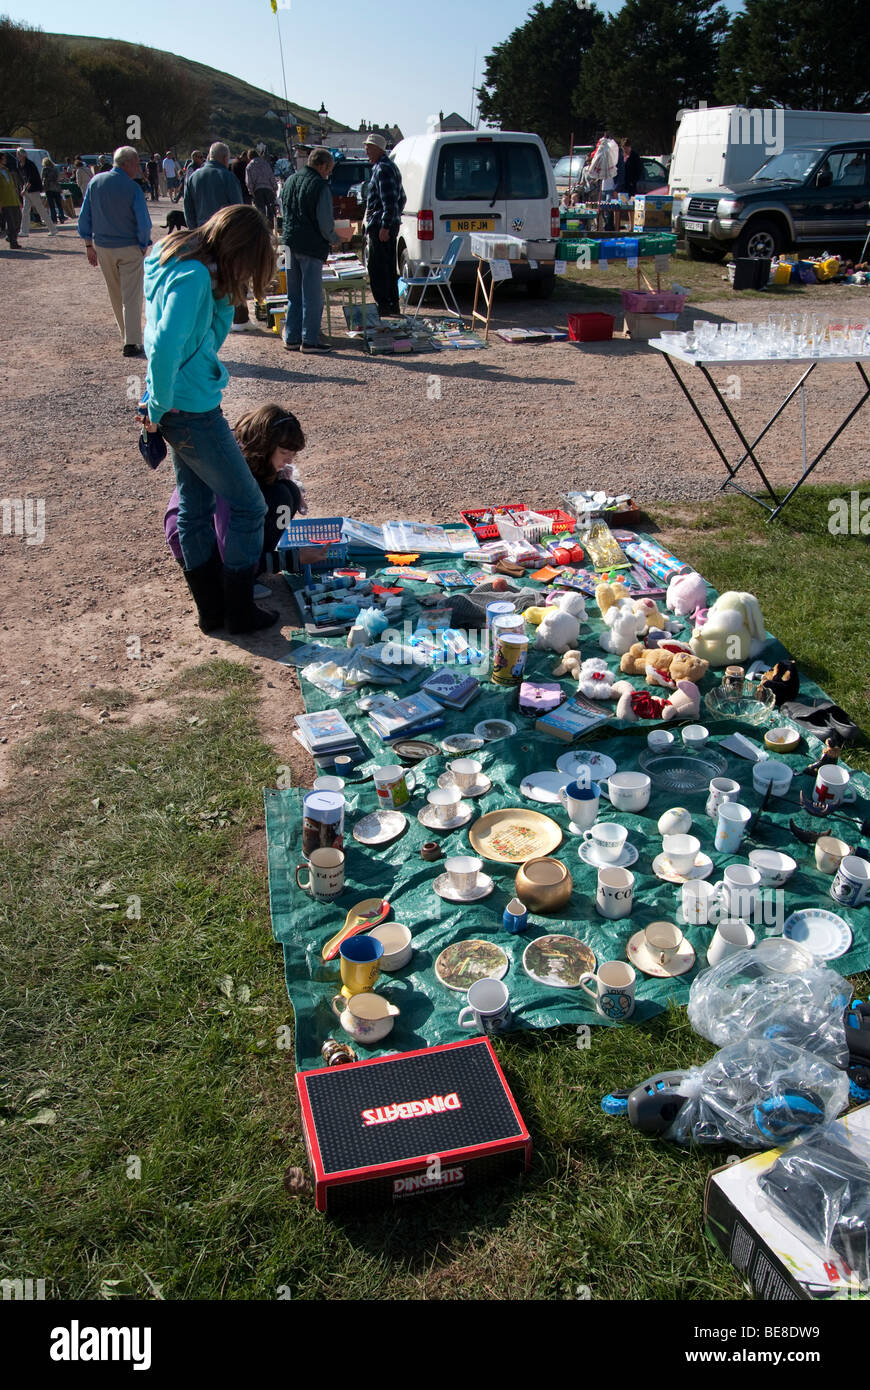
418	436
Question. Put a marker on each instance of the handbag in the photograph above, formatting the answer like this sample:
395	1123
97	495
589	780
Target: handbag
152	445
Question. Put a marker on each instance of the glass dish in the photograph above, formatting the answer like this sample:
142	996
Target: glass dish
745	709
683	772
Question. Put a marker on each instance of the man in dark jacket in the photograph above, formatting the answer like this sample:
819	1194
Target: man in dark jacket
152	171
385	201
634	169
32	193
308	231
238	167
210	188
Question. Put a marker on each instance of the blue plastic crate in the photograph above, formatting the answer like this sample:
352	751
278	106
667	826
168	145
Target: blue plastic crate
618	248
323	531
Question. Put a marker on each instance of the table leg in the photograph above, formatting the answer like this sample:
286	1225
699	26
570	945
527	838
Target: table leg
821	454
741	436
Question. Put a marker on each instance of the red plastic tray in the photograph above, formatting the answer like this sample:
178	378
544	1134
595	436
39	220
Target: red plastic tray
561	520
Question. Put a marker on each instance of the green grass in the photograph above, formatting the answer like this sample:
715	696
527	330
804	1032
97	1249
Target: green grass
706	280
156	1036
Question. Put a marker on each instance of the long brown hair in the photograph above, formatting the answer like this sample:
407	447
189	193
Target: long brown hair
260	432
236	246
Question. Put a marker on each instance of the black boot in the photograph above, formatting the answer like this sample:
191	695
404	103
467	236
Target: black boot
205	583
242	614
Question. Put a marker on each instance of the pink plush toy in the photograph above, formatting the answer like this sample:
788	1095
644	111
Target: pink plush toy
683	703
686	592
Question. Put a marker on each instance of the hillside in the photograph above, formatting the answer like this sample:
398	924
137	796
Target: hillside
238	110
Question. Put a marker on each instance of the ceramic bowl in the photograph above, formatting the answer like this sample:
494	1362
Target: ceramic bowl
775	868
543	885
695	736
782	739
396	941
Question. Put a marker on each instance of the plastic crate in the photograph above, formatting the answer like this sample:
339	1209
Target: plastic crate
497	246
643	302
324	533
569	248
657	243
619	248
488	531
590	328
540	524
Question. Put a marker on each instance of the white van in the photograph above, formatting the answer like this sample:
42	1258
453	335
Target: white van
718	146
465	181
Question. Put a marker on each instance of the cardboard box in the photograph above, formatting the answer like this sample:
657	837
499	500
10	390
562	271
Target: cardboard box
411	1124
648	326
740	1222
652	212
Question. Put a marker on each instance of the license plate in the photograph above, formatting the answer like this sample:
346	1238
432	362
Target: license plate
694	226
469	224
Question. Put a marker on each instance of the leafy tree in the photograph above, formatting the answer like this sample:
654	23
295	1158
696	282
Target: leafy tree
529	80
652	58
171	104
38	92
804	55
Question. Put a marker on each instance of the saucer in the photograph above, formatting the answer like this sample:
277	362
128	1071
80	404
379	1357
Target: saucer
491	730
462	743
460	964
379	828
429	818
544	786
558	961
641	956
444	889
589	854
703	868
598	764
825	935
480	787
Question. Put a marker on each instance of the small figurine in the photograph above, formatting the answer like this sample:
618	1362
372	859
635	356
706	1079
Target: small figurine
831	754
783	680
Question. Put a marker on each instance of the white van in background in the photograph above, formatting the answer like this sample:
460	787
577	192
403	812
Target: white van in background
469	181
718	146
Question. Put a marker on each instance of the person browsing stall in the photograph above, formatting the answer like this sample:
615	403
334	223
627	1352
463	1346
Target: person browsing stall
385	202
308	230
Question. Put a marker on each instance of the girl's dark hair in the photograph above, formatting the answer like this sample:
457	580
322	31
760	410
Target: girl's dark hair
260	432
235	244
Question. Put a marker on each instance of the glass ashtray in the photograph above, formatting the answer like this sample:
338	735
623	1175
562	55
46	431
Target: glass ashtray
746	709
678	771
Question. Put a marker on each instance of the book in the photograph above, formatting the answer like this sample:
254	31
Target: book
575	717
355	751
390	716
449	579
327	729
451	688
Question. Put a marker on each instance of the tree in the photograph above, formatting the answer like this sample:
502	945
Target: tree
37	91
653	58
799	55
172	106
529	80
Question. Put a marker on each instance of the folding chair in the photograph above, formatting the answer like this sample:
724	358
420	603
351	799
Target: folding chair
437	277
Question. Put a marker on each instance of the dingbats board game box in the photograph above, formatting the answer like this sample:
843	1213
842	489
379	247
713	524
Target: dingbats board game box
408	1125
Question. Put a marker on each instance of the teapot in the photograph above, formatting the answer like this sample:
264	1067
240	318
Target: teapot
365	1017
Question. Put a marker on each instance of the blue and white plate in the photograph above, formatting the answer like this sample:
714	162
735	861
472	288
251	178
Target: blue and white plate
825	935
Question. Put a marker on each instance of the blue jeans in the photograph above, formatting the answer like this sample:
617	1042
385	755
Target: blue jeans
208	461
304	299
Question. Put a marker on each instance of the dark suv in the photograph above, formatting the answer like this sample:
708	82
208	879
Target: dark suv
806	195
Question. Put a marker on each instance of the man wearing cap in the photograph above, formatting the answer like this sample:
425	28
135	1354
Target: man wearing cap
116	228
384	203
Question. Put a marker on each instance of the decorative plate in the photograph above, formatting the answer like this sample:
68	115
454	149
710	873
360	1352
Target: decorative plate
641	956
429	817
479	788
558	961
599	764
414	750
459	965
589	855
680	771
825	935
444	888
462	743
544	786
380	828
703	868
491	730
514	834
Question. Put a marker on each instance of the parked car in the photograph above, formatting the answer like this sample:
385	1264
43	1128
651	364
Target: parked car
807	195
569	169
464	182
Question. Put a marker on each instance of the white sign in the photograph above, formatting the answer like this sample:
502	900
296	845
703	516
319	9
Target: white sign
632	262
603	265
662	264
561	268
500	270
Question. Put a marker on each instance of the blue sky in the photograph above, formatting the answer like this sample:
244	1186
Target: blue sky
399	68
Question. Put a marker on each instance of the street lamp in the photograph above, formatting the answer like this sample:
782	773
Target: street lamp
322	113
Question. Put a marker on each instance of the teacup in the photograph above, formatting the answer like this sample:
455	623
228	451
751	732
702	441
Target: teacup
659	739
444	802
396	941
615	894
628	791
730	936
700	903
775	868
830	852
488	1007
738	891
581	802
367	1018
681	851
463	870
466	772
832	786
695	736
607	839
721	789
612	988
663	940
773	774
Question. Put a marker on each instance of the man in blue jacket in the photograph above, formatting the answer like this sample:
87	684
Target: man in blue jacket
385	202
116	228
211	187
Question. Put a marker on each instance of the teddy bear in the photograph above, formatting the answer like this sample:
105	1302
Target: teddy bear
664	665
559	628
608	595
594	677
684	702
686	593
733	631
624	627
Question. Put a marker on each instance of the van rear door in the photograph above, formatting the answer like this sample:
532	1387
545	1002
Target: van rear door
469	195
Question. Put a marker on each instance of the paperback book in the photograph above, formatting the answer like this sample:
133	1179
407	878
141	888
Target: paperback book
451	688
575	717
327	729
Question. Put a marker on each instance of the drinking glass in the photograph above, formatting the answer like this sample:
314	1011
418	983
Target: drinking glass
728	339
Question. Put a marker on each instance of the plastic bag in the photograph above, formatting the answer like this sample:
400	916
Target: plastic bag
757	1093
775	990
820	1187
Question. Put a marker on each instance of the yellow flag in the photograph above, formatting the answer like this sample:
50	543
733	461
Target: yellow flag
274	6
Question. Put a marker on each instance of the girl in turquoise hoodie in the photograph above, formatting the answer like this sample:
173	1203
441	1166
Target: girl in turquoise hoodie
193	280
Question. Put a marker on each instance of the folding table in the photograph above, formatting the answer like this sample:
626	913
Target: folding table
808	365
350	286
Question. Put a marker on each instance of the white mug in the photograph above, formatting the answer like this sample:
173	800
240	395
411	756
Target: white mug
731	822
392	785
325	874
462	870
730	936
851	886
445	801
700	903
681	851
628	791
615	895
738	892
721	789
612	989
488	1007
466	772
832	786
608	840
581	802
773	774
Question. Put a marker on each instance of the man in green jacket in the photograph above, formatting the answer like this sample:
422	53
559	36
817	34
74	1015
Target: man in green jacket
308	231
